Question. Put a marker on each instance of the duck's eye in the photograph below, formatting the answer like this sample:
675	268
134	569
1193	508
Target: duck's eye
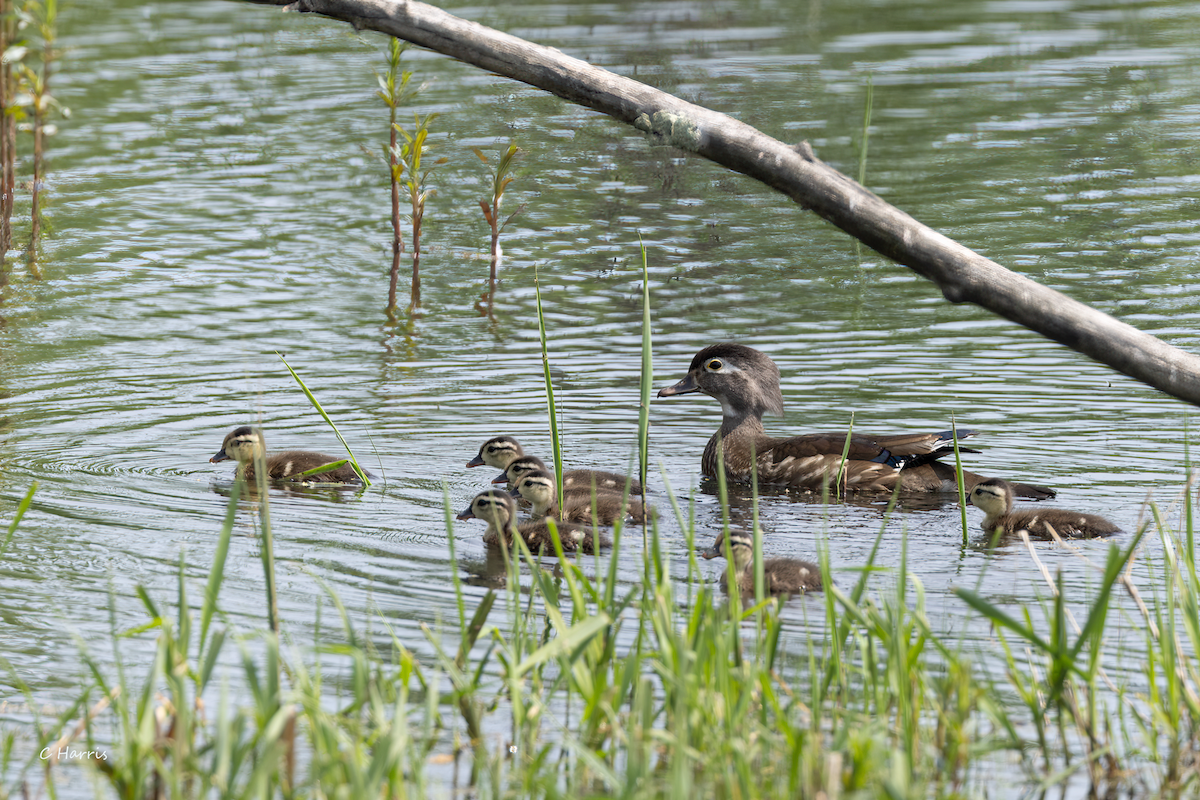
714	365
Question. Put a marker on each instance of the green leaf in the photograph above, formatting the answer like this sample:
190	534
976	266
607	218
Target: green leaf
1003	619
566	641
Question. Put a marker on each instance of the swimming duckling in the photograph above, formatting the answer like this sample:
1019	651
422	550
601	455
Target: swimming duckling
746	382
499	510
244	444
995	498
573	479
497	452
537	486
780	575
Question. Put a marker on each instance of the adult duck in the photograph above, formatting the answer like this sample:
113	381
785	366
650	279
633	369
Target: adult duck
746	383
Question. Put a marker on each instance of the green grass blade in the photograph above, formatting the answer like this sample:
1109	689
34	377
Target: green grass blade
646	380
958	476
330	467
454	578
362	473
842	474
866	132
21	509
1003	619
217	572
566	641
555	442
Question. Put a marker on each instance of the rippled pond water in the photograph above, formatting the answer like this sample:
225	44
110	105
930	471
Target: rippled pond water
217	200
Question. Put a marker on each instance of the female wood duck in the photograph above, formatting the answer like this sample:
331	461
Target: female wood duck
538	487
780	575
746	383
498	509
245	444
995	498
501	451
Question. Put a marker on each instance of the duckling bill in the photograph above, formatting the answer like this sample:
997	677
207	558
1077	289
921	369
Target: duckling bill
246	444
746	383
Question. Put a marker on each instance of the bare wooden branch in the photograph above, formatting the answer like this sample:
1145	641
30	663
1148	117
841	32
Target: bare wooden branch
962	276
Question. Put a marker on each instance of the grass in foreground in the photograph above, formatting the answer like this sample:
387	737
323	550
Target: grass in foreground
583	686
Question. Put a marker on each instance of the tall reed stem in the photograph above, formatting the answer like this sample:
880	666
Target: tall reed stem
7	143
647	380
556	441
394	90
397	236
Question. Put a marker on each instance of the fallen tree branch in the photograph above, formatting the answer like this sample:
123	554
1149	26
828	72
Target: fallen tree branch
962	275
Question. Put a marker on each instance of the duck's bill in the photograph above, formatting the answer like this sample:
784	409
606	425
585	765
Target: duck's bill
685	386
220	456
477	461
710	553
466	514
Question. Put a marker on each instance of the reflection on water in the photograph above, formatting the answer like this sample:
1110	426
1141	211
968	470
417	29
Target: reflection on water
331	492
213	206
491	571
741	498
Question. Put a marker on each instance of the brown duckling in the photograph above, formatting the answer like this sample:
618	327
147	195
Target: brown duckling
497	452
573	479
780	575
538	487
499	510
746	382
244	444
995	498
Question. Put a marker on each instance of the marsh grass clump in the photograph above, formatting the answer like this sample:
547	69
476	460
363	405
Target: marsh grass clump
29	42
42	17
9	112
414	181
395	89
407	174
573	680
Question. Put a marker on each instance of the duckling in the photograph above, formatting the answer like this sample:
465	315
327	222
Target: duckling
499	510
746	382
497	452
245	443
780	575
573	479
995	498
537	486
